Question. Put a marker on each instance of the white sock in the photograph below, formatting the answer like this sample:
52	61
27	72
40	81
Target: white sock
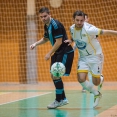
89	86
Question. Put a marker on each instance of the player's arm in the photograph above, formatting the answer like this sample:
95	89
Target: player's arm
41	41
108	32
54	48
69	41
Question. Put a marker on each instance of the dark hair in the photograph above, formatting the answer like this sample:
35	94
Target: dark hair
78	13
44	9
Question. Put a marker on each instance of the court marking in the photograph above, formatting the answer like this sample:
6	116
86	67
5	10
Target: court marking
2	93
26	98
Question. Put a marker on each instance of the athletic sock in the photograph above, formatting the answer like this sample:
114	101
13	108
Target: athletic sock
63	95
89	86
60	94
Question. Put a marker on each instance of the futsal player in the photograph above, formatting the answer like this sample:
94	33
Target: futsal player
90	51
55	32
89	74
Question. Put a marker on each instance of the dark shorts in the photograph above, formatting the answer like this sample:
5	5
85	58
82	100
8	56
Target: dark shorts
66	59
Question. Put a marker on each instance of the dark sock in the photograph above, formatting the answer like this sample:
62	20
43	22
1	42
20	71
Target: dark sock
60	94
63	95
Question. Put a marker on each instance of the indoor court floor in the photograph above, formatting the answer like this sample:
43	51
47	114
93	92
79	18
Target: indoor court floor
32	100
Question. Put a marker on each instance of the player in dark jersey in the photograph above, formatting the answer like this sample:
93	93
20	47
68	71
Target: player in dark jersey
60	52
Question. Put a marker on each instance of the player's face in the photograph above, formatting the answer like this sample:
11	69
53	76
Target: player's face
79	21
45	17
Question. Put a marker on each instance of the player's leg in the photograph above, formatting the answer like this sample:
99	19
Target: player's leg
97	97
90	77
96	63
90	80
84	65
101	82
83	69
101	76
67	60
59	88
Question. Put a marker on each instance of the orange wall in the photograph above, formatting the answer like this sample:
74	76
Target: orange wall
13	51
12	41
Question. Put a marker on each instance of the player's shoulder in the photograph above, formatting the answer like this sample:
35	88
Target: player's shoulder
72	27
88	26
56	23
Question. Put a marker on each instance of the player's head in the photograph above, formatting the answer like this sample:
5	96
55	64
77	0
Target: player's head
79	18
86	18
44	14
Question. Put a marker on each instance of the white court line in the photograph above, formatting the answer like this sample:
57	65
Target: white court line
3	93
25	98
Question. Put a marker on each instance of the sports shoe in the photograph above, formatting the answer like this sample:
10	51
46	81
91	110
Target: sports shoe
54	104
83	90
97	99
102	80
64	102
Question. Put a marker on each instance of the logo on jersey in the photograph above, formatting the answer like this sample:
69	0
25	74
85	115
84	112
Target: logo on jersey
80	44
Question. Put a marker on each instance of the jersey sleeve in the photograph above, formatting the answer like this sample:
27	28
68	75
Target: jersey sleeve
92	30
58	32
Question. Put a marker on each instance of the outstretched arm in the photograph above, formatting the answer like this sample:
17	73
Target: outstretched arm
41	41
109	32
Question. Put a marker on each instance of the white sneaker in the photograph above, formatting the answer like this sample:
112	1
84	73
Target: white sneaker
102	80
54	104
97	99
64	102
83	90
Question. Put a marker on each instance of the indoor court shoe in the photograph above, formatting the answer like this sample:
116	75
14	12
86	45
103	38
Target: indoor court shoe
54	104
97	99
64	102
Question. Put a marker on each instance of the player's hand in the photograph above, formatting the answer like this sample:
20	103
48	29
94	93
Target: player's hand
32	46
47	56
68	41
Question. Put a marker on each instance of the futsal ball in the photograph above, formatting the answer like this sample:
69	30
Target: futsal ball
58	69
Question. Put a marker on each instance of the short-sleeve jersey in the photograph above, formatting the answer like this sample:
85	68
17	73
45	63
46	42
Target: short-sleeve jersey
85	39
54	31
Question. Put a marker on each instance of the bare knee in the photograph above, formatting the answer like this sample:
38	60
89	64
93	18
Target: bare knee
81	78
96	81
